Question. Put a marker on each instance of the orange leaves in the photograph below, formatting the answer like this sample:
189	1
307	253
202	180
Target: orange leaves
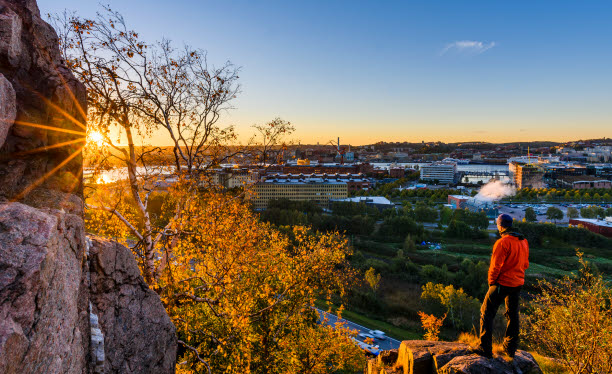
262	284
431	325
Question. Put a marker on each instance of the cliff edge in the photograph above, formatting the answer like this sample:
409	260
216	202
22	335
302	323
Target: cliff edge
68	304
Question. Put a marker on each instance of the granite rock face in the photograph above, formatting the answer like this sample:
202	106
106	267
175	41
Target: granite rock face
429	357
67	306
63	310
36	90
42	329
139	337
8	108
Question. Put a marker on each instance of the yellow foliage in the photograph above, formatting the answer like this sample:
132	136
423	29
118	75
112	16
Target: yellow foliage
241	294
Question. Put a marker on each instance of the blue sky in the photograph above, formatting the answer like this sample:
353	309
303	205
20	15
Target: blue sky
372	71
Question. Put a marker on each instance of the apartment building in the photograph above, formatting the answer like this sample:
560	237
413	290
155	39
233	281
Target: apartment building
526	175
232	177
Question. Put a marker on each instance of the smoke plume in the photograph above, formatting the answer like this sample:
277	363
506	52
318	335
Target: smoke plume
494	191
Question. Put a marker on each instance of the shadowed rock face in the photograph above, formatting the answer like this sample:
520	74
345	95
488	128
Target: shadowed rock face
36	88
428	357
139	337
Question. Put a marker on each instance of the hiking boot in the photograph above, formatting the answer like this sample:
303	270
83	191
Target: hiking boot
481	352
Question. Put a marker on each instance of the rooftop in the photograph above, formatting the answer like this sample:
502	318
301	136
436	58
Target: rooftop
599	222
583	178
303	181
368	199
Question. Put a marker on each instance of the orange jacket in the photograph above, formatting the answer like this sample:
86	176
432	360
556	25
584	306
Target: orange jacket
509	261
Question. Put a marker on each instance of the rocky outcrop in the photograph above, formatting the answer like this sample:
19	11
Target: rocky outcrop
62	312
42	108
66	307
429	357
42	329
139	337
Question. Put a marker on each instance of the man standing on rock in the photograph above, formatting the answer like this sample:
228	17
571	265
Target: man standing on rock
509	261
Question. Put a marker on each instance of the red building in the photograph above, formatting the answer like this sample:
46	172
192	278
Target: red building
598	226
357	185
397	173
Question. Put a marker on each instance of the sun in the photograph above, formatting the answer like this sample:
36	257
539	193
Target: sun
95	137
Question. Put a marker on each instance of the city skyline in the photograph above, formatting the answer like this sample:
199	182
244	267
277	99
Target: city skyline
399	72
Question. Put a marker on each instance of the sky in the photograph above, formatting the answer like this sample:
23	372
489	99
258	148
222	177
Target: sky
369	71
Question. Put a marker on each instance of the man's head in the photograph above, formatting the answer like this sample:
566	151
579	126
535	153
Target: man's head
504	221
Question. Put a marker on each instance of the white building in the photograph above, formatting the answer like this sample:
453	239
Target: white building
440	171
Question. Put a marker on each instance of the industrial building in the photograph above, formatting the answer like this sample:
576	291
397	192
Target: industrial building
354	182
598	226
441	171
317	190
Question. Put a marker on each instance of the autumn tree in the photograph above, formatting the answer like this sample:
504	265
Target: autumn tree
242	294
372	279
432	325
135	88
571	320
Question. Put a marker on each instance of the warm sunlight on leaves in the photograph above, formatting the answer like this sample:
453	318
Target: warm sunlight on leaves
431	325
241	293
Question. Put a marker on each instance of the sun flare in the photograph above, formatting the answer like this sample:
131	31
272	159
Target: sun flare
95	137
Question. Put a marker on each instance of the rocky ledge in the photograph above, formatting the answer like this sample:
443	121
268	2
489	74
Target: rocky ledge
430	357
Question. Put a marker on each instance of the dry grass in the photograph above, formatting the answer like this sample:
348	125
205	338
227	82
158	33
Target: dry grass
547	364
472	340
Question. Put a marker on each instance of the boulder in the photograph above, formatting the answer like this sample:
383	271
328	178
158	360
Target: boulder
8	107
41	258
139	337
434	357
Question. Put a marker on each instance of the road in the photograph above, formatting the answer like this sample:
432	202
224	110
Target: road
386	344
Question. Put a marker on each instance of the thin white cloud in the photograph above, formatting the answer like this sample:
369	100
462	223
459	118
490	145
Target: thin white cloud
467	47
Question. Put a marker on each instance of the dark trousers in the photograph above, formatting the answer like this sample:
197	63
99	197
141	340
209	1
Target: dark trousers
496	295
